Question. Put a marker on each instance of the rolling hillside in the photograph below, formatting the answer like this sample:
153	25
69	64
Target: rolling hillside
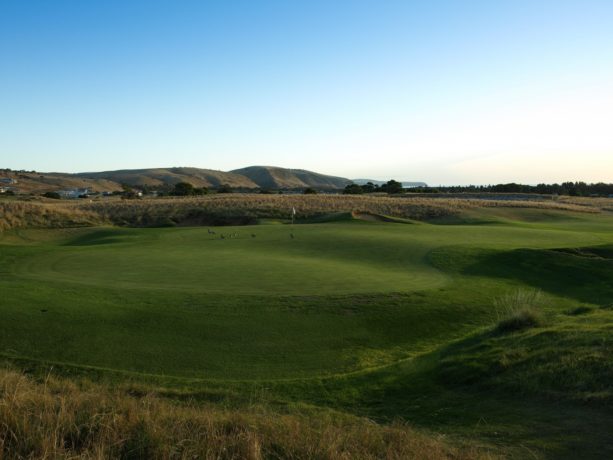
274	177
170	176
253	177
38	182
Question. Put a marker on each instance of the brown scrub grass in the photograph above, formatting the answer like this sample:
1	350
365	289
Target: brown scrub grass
52	417
225	209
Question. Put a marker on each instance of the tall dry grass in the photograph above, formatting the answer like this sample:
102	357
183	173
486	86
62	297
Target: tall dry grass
226	209
246	208
56	418
253	207
21	214
600	203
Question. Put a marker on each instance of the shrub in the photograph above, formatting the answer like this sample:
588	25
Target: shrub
183	189
224	188
52	195
353	189
310	191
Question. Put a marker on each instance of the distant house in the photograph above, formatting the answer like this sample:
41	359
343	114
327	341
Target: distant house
74	193
7	180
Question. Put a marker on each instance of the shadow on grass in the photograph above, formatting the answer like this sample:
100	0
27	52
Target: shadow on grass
584	274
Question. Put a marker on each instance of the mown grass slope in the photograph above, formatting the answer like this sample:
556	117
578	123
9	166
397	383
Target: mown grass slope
378	319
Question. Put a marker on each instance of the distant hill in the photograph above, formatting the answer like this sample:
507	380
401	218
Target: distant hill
253	177
381	182
38	182
170	176
274	178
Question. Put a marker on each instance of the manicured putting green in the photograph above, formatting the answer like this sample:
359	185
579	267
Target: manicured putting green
261	260
338	297
264	260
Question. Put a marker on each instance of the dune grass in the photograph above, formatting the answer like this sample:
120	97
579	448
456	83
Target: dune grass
58	418
242	209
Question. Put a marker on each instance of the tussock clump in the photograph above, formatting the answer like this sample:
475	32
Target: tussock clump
519	310
520	320
58	418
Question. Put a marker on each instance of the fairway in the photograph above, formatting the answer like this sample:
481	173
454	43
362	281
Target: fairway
385	320
337	298
261	260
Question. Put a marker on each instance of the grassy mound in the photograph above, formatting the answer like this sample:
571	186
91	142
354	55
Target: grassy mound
571	358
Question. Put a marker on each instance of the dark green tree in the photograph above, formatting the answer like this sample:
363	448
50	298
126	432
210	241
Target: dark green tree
392	186
53	195
183	189
224	188
353	189
369	187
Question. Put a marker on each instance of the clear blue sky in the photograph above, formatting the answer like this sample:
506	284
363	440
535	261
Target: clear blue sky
440	91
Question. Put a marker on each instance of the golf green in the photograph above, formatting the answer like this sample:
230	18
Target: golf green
267	301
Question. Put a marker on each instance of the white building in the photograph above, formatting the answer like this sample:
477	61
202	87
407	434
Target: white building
74	193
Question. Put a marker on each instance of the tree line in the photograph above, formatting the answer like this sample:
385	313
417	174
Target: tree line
565	188
390	186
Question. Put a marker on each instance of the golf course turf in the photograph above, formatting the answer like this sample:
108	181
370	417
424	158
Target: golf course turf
383	319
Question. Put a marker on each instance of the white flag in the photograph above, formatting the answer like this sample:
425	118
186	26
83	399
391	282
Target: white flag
293	211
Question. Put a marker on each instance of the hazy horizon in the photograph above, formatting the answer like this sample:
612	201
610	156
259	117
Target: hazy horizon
441	92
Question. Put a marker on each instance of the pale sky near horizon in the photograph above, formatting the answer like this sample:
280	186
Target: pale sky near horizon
446	92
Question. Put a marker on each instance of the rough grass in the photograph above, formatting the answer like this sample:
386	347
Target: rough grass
519	310
57	418
603	204
238	209
23	214
569	358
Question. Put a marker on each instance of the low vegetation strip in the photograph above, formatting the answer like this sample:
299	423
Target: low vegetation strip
58	418
240	209
20	214
267	206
